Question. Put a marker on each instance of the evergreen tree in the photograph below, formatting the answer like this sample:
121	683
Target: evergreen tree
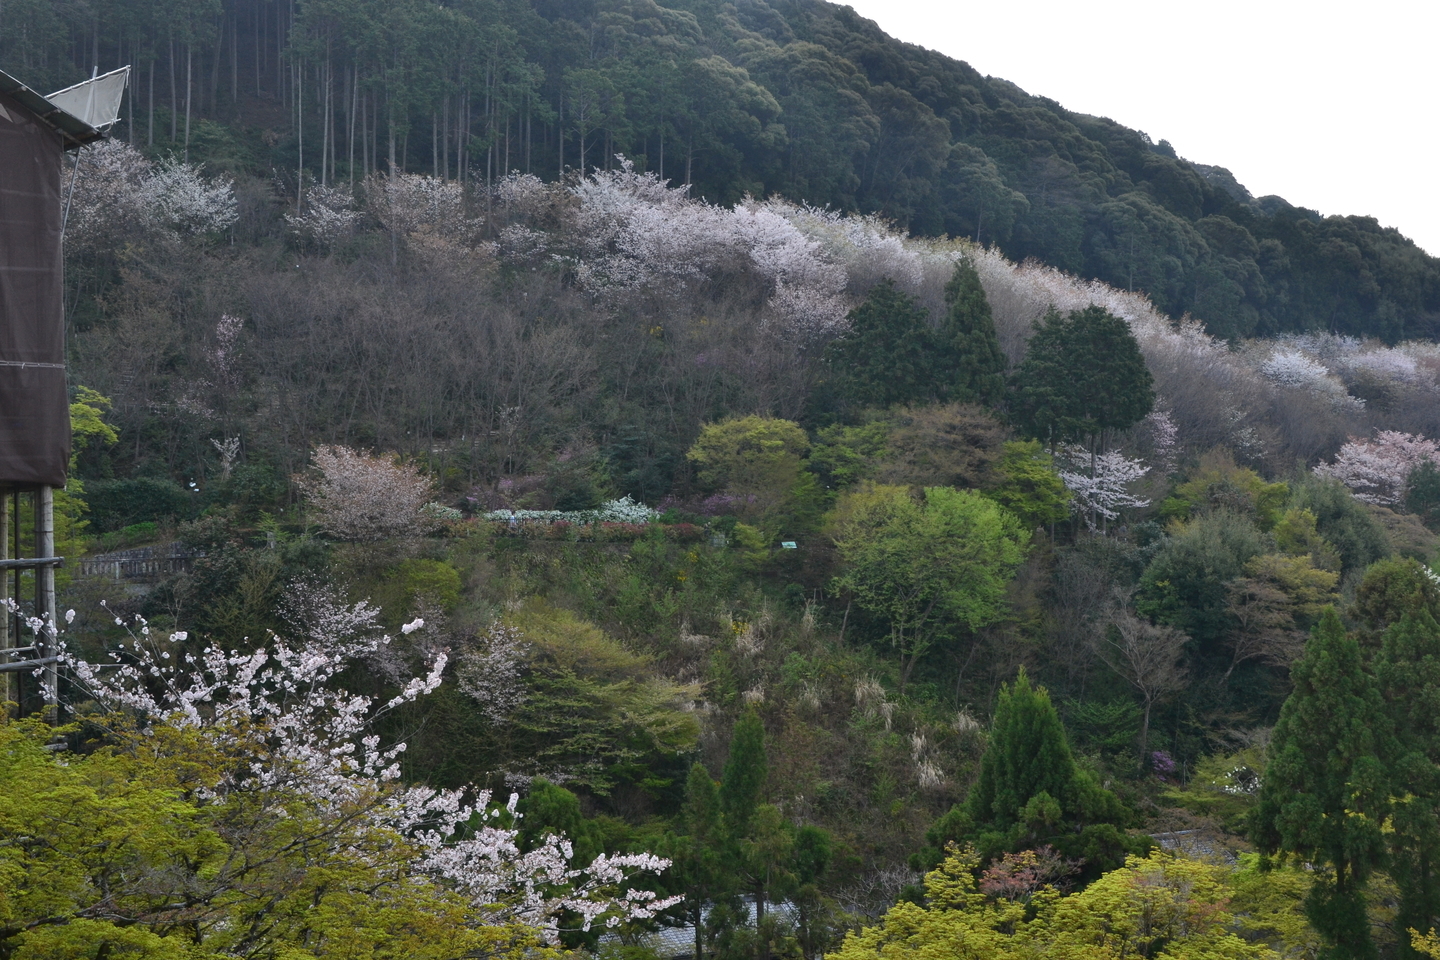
743	781
889	357
1422	493
1408	671
977	367
1082	376
696	871
1032	792
1325	792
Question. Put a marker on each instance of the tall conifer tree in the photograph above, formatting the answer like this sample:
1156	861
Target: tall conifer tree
1408	671
1032	792
743	782
977	371
1325	794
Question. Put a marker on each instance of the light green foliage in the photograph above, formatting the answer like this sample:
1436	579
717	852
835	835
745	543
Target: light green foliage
1223	786
1161	906
1028	486
595	709
1297	534
127	855
752	457
1326	793
418	580
926	564
844	455
1219	484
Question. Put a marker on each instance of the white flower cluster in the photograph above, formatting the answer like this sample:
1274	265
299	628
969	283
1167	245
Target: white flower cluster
118	191
1101	485
624	510
328	217
641	234
304	736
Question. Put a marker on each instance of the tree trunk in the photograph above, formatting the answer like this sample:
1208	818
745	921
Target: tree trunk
189	90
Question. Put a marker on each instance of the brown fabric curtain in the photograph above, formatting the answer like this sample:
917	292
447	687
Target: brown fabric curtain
34	407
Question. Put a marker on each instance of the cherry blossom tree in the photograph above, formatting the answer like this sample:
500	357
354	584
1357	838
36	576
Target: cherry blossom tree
357	496
1376	471
1101	484
303	750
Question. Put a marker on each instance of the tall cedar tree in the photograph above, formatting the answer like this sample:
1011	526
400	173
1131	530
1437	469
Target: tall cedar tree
1325	793
696	871
1408	671
742	783
889	356
1032	792
977	365
1082	376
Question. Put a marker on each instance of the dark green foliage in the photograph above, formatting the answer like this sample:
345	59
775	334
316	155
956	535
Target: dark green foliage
742	785
1422	494
976	367
120	503
1408	673
1341	520
1083	376
889	356
1326	793
1032	792
1184	585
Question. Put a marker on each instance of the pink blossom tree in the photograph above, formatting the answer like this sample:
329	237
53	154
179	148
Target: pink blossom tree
1377	471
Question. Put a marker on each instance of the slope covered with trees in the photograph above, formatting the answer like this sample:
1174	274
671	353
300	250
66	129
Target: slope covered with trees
797	98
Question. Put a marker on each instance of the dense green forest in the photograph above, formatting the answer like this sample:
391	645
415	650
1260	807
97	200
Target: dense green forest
804	100
740	437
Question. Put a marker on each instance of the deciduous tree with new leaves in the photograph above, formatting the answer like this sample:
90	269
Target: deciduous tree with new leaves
247	807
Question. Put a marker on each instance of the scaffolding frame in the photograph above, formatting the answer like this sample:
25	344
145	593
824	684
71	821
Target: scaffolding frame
41	655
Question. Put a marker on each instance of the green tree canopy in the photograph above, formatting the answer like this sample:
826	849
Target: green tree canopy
929	565
1326	793
1082	377
976	366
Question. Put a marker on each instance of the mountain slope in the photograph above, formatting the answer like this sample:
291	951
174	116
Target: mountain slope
798	98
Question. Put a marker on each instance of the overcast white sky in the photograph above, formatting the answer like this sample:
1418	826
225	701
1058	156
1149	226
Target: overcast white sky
1335	108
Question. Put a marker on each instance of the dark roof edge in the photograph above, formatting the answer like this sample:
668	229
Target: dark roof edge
73	131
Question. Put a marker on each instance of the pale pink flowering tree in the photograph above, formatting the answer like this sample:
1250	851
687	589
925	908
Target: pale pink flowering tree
1377	471
357	496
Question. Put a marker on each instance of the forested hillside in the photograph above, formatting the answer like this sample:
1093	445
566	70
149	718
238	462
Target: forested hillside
803	100
812	580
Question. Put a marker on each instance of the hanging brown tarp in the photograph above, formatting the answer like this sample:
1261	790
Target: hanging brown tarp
34	410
